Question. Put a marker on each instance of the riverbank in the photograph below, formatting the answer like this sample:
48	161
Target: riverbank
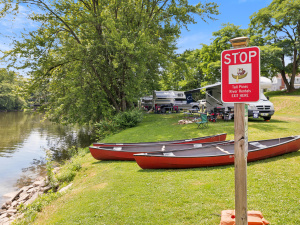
25	139
26	195
117	192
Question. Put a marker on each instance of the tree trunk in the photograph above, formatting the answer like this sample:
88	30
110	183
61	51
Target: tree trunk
107	91
282	72
123	83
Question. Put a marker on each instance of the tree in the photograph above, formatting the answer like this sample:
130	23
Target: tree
98	57
270	55
280	23
180	72
204	64
10	89
210	55
207	60
195	68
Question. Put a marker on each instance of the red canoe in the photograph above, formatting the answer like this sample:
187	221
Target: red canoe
218	137
216	155
127	152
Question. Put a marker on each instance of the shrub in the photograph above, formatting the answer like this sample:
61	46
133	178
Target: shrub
128	119
66	176
117	123
105	128
68	172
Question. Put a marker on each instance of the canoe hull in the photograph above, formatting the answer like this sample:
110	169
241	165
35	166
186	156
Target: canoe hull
101	154
105	154
127	152
163	162
214	138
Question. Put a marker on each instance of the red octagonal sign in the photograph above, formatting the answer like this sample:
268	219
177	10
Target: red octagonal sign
240	75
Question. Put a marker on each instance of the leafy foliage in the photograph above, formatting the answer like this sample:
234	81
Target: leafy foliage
50	174
68	172
279	24
117	123
11	87
98	57
196	68
182	72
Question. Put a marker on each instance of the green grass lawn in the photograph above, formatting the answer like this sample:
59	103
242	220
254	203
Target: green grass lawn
116	192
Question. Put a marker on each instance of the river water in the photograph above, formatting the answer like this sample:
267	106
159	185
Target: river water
24	140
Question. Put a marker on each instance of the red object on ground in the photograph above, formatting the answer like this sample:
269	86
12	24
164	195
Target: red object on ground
114	151
216	155
254	218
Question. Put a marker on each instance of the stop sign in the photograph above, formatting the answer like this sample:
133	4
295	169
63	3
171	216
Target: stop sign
240	75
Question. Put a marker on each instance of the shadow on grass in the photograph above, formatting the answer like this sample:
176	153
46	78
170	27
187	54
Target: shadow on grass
112	161
253	120
203	169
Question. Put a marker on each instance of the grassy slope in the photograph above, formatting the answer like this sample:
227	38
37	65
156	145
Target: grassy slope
122	193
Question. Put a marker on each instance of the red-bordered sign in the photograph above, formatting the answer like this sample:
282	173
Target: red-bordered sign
240	75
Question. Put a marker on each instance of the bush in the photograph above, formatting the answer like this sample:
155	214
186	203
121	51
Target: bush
66	176
117	123
128	119
105	128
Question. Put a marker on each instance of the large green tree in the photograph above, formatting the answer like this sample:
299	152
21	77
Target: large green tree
11	87
97	57
280	24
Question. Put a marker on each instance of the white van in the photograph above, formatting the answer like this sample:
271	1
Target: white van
263	108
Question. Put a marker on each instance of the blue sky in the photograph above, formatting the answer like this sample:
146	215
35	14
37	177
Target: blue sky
236	12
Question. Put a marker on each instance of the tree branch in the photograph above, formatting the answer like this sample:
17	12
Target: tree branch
60	19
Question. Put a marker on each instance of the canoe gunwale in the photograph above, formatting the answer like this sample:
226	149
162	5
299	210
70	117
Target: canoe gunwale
183	141
152	161
154	151
152	154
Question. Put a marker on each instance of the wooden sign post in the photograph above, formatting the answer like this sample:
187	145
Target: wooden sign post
240	84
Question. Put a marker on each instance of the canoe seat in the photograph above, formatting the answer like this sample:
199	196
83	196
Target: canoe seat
169	154
257	144
197	145
202	122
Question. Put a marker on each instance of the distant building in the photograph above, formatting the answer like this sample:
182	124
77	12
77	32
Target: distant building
278	83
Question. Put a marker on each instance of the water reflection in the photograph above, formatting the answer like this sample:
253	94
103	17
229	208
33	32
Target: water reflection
24	139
